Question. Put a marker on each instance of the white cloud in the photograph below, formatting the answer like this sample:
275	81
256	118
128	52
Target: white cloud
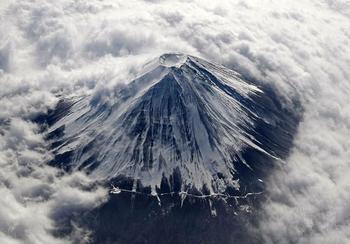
301	47
31	193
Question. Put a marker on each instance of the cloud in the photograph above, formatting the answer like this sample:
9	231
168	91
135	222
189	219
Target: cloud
32	193
301	48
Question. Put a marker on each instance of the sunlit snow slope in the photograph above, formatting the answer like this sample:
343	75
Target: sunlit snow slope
184	122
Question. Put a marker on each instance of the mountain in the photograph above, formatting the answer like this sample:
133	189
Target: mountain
186	146
184	124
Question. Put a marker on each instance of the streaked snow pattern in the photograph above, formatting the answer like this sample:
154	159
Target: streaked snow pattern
183	117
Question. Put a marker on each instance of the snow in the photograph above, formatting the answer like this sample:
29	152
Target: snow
182	113
172	59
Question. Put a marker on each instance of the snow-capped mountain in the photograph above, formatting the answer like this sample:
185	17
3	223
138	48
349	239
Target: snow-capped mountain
183	121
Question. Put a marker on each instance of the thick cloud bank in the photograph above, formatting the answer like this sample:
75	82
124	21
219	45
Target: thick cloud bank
71	47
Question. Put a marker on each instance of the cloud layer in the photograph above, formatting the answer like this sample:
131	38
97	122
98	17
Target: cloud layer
72	47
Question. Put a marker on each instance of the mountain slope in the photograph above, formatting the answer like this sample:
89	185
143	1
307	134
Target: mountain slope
185	123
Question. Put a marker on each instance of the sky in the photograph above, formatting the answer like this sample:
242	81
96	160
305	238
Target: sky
302	48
